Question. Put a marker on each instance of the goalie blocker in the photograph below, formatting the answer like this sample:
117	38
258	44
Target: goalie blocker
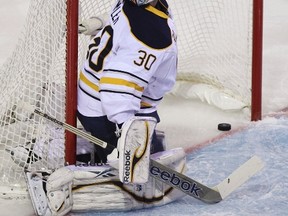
134	149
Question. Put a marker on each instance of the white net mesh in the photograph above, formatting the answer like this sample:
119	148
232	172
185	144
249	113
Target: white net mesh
214	38
35	73
215	44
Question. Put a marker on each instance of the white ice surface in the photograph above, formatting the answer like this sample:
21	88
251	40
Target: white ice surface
264	194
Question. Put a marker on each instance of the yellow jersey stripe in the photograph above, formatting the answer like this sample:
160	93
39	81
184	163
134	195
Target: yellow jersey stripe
122	82
88	82
145	105
157	12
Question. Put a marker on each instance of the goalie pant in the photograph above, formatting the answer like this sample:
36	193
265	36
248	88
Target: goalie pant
98	188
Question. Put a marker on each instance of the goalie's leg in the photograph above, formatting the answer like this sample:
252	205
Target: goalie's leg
103	129
158	142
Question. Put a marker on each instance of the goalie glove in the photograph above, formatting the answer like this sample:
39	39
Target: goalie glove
92	25
134	149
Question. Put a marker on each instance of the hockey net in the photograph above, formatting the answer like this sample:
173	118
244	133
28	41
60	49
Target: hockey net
215	49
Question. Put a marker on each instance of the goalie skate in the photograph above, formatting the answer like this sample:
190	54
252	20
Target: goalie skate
37	192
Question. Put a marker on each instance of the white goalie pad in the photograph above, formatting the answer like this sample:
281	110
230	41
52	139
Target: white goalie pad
98	188
134	149
51	194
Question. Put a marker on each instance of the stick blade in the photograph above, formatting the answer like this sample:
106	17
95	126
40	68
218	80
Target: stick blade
240	176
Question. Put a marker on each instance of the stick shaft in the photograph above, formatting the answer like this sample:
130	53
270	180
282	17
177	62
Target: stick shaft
72	129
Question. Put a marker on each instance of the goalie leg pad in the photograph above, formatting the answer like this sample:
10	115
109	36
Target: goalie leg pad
97	188
51	195
134	149
59	191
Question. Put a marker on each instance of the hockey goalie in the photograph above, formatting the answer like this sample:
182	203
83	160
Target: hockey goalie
131	64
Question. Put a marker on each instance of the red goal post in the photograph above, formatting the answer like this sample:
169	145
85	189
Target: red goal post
72	76
256	99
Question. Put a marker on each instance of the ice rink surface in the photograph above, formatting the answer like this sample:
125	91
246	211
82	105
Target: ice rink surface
264	194
210	160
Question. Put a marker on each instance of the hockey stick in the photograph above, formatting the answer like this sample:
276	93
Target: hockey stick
202	192
175	179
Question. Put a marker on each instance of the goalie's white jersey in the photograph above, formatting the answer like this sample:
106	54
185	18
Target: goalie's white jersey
131	63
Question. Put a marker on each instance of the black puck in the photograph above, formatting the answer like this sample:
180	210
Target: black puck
224	126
